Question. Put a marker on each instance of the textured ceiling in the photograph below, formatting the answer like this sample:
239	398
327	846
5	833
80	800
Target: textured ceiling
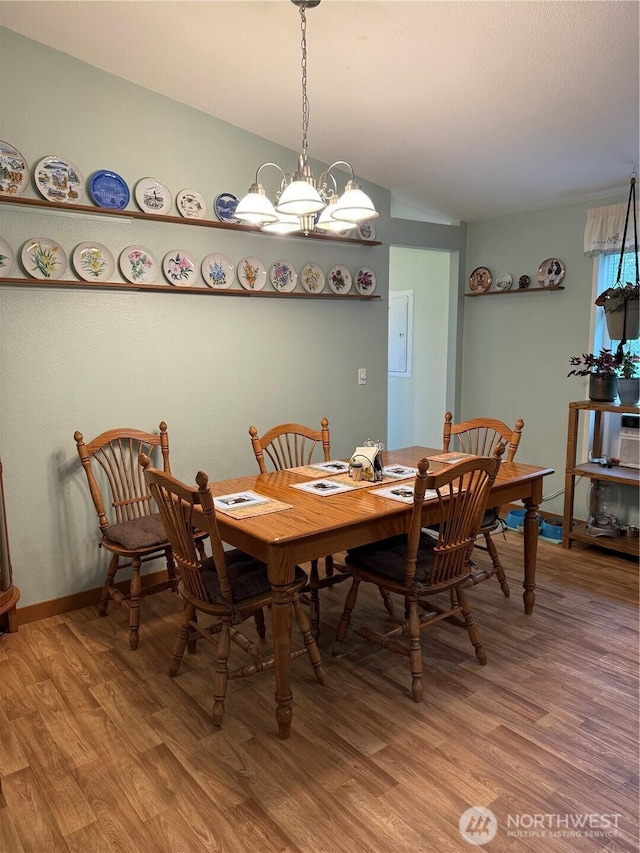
464	110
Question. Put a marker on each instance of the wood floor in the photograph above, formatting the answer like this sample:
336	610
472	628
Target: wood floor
101	751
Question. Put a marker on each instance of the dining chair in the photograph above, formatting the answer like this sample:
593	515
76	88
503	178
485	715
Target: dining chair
228	586
130	528
418	566
291	446
483	437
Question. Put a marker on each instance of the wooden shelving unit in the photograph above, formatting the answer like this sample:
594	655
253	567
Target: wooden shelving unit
69	284
577	532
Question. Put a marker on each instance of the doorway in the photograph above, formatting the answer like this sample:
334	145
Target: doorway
417	401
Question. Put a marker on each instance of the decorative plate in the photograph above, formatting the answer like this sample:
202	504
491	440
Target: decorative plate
339	279
191	204
251	274
524	281
44	258
138	265
93	262
366	231
153	196
365	281
58	180
550	273
225	206
108	189
504	282
283	276
7	257
14	170
312	278
217	271
179	268
480	280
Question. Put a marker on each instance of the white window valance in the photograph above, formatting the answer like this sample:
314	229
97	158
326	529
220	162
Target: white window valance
604	229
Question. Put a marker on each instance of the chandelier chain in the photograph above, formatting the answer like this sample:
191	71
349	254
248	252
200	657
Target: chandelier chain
305	100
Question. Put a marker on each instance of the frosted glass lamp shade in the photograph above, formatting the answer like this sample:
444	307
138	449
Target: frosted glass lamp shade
300	198
255	208
354	205
284	224
329	224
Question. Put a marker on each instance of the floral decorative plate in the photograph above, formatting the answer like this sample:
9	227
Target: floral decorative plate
58	180
44	258
365	281
504	282
7	258
93	262
14	170
108	189
252	274
283	276
550	273
191	204
153	196
179	268
225	206
138	265
339	279
366	231
480	280
217	271
312	278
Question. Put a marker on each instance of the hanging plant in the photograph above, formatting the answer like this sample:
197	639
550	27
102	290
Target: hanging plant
621	303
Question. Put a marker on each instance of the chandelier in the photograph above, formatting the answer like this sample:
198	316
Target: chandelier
301	200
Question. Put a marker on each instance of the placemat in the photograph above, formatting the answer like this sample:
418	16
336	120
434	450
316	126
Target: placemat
451	457
268	505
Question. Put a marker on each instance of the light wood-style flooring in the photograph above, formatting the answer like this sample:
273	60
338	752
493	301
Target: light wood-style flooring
101	752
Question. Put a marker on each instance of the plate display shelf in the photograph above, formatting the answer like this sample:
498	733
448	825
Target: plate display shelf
189	222
180	220
513	290
576	531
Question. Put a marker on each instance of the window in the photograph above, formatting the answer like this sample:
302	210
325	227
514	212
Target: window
607	275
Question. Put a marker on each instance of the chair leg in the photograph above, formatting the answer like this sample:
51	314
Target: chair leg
328	566
134	604
188	613
345	619
415	648
470	625
309	640
261	628
222	673
171	570
314	599
497	565
106	589
387	600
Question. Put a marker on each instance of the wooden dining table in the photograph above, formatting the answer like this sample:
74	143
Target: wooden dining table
315	525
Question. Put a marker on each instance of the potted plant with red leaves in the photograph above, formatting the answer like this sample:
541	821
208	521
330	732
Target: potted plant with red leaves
602	372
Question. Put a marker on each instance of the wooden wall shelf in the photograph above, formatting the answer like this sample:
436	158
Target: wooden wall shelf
69	284
517	290
178	220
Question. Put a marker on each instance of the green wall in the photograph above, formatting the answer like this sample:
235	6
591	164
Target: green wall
517	345
208	365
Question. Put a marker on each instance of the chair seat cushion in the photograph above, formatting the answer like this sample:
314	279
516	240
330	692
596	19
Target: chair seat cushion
387	558
247	576
490	517
144	532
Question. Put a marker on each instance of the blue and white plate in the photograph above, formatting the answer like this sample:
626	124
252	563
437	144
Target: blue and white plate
108	189
225	207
